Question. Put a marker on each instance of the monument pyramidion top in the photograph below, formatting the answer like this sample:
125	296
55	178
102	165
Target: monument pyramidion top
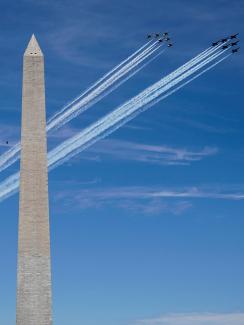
33	48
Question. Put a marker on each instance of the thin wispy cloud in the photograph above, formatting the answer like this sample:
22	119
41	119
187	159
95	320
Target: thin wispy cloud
196	193
153	154
154	192
122	199
146	200
195	319
138	152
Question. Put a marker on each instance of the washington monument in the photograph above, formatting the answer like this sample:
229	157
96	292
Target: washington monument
34	271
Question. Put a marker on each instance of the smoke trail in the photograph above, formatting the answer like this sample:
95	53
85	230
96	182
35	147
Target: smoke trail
110	75
79	108
165	80
86	102
12	155
116	116
125	79
131	103
9	157
179	71
100	80
160	98
201	55
10	185
183	68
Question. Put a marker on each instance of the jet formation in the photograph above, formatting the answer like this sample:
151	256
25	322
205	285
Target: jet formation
229	42
164	37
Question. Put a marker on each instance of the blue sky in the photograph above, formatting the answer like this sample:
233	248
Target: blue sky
146	225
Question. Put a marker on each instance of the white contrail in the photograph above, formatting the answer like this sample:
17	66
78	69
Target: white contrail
74	108
179	71
144	108
92	98
11	184
162	84
165	80
123	65
154	102
116	116
202	56
12	155
101	80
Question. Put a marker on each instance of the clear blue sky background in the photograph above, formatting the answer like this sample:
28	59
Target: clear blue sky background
120	257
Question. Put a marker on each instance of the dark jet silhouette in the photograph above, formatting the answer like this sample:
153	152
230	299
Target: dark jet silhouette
6	142
160	40
170	45
233	36
149	36
224	40
157	35
235	50
165	34
225	47
234	43
215	43
167	39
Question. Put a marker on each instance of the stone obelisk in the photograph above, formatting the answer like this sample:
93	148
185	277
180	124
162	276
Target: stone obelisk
34	271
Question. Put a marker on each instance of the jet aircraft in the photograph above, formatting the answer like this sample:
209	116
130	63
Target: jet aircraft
163	36
234	43
236	50
224	40
233	36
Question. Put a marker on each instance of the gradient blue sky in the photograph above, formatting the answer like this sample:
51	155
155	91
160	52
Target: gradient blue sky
119	255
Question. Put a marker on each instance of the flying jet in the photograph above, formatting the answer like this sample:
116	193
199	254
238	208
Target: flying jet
149	36
170	45
224	40
235	50
233	36
167	39
6	142
157	35
234	43
225	46
165	34
160	40
215	43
